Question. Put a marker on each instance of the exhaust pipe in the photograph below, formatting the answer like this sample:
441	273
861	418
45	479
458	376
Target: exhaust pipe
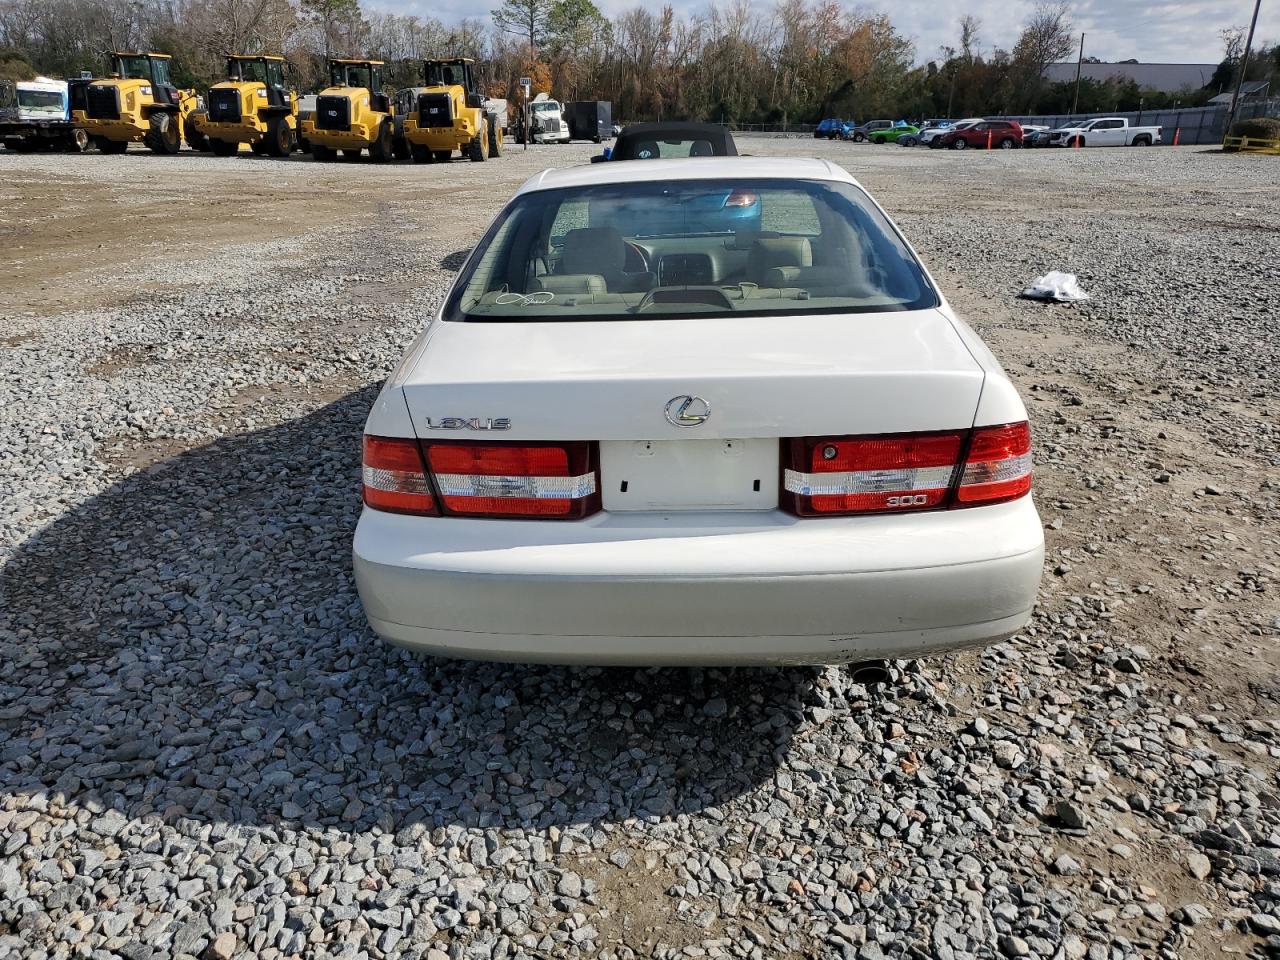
870	673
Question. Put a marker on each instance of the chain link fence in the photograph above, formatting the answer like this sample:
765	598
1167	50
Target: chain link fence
1191	125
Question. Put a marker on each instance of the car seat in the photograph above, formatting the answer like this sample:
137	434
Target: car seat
602	252
701	148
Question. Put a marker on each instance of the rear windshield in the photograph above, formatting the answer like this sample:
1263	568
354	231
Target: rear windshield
689	248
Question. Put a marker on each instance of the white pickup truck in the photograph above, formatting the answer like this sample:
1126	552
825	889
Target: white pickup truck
1105	132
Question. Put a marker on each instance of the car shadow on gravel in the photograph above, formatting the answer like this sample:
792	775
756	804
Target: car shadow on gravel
189	644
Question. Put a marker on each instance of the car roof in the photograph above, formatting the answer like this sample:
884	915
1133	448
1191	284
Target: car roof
688	168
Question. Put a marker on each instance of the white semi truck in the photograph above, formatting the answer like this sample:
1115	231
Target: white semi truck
547	122
36	114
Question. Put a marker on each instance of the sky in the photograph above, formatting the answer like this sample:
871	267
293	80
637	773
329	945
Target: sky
1157	31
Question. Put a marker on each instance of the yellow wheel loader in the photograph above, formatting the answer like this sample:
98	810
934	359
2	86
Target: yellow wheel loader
450	115
352	113
136	103
254	105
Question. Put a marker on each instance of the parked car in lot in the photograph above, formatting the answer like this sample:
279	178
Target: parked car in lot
832	129
933	141
893	133
864	130
774	445
1036	137
1001	134
1106	132
928	130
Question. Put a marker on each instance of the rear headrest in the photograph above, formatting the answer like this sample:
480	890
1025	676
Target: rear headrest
701	148
770	252
571	283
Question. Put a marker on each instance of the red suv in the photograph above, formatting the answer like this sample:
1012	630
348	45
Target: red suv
1005	134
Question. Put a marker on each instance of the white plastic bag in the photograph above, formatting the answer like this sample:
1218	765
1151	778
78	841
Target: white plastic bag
1059	287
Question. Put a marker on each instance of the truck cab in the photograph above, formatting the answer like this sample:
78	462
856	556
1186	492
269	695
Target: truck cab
137	102
352	113
37	113
255	104
547	123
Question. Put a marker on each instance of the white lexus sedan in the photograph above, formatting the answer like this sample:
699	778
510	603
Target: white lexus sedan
698	411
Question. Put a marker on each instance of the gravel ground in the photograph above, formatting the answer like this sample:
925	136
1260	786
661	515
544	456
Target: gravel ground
204	752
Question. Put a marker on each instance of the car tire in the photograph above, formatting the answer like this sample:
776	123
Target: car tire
420	153
859	137
1142	141
441	156
321	153
79	141
478	146
959	143
1007	143
908	141
224	148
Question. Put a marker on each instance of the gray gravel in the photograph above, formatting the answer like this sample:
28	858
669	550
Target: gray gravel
205	753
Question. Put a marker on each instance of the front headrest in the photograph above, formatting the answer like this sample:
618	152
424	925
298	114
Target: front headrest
599	250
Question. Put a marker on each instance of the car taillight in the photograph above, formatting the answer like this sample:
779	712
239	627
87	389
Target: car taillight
906	472
998	465
549	480
394	477
870	474
740	198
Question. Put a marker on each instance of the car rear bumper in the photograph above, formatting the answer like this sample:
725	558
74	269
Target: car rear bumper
733	588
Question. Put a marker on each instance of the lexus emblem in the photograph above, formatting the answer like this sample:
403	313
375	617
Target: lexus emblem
687	411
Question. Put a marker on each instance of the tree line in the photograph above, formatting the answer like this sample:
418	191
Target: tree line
733	62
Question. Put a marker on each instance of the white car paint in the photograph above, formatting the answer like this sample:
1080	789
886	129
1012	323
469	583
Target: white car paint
1105	132
687	565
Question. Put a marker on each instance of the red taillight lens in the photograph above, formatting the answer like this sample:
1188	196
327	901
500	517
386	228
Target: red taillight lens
740	198
517	480
998	467
394	478
870	474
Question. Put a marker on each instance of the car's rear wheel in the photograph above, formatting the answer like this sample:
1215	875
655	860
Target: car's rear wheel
279	139
859	137
163	135
959	143
1141	141
1007	143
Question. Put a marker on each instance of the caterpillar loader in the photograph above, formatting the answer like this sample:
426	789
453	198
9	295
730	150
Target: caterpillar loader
136	103
254	105
451	116
351	113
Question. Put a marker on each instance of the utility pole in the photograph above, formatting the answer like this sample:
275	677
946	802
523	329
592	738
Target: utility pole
1075	105
1244	65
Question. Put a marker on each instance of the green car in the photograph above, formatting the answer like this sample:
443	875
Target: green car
892	134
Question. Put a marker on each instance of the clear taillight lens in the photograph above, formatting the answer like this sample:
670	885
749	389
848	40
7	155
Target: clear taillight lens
997	467
394	477
553	480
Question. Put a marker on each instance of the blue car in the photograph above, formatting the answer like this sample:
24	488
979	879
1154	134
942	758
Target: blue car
694	208
832	128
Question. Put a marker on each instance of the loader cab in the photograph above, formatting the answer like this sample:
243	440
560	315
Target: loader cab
454	72
268	71
361	73
153	68
356	73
